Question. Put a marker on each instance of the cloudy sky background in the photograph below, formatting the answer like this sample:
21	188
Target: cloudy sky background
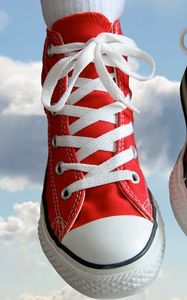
155	25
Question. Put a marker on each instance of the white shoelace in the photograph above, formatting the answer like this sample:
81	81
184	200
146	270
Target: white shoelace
106	49
182	40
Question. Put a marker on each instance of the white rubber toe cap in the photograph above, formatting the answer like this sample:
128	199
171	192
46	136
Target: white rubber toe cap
110	240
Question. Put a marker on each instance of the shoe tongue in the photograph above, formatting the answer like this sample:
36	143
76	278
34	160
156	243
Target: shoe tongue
82	26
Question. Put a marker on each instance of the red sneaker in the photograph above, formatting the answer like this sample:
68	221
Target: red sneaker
100	226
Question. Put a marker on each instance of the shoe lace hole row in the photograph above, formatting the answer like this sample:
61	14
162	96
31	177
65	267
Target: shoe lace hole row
134	152
54	142
135	178
66	194
49	54
58	169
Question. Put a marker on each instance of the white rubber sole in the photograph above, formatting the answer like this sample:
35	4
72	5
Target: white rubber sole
105	284
178	192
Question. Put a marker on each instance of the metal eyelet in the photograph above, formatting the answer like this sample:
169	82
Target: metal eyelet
135	178
58	169
49	54
54	142
54	114
134	152
66	194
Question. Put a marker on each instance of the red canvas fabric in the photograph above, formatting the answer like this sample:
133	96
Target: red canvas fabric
123	198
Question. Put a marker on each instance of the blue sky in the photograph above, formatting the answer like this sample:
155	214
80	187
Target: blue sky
155	26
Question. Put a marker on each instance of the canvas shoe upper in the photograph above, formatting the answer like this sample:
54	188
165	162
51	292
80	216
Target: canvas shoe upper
96	201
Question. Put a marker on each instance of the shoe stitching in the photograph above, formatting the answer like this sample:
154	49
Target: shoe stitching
61	226
51	162
76	175
121	147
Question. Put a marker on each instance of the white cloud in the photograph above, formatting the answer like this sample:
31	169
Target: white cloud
22	225
163	274
20	87
67	293
30	297
23	151
179	298
160	126
4	19
23	137
15	184
56	295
